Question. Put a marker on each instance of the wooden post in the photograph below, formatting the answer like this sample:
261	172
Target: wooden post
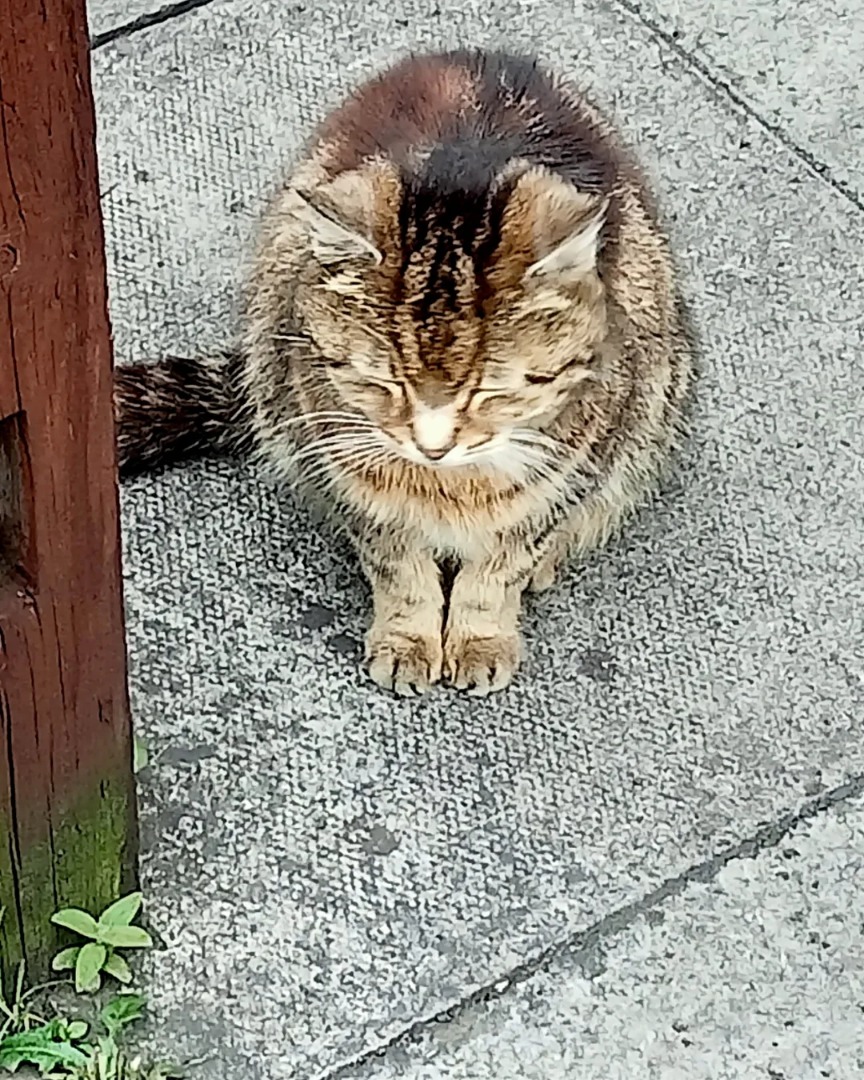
67	812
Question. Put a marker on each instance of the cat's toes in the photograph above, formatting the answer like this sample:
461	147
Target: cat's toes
481	665
407	664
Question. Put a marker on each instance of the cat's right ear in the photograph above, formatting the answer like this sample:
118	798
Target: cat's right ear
338	219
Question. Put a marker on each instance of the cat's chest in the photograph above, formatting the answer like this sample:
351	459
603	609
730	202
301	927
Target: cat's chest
449	512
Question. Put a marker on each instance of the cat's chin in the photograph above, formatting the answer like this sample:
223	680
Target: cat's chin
499	459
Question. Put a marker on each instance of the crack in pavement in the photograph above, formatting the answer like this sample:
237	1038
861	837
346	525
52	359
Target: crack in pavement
583	943
580	945
707	71
631	8
144	22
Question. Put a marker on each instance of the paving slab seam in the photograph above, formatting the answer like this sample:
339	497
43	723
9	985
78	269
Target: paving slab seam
583	943
723	88
631	9
144	22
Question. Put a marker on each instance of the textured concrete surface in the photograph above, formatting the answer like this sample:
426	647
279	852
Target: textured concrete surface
110	15
756	972
329	867
797	64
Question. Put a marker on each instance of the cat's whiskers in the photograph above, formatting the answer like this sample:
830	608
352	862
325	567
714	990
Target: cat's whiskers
327	446
325	416
539	439
538	462
294	339
345	460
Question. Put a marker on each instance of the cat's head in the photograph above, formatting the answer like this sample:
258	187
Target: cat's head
454	320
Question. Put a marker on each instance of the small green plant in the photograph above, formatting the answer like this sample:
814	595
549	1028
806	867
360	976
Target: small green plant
111	931
64	1048
140	754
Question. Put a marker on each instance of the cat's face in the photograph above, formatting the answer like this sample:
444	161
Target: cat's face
448	359
449	409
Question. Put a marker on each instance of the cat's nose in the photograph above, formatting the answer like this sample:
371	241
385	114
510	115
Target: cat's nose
436	453
434	430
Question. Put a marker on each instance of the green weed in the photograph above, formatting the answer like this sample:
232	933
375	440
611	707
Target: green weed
71	1048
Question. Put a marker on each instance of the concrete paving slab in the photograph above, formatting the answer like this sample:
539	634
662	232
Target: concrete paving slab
756	973
114	17
328	865
798	64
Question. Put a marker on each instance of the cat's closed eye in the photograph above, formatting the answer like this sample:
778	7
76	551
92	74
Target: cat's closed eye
543	378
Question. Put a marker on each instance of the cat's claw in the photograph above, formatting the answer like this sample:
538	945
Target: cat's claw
481	665
407	664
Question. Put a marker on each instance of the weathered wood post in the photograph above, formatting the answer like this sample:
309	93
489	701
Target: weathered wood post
67	811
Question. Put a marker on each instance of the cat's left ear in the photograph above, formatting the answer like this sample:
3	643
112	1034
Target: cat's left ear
338	218
566	224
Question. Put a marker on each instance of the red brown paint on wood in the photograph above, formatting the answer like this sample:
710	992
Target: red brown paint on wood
65	738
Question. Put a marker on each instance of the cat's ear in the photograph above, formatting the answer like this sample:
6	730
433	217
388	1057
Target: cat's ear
338	218
566	226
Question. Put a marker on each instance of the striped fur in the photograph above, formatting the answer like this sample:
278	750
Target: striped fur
178	408
462	332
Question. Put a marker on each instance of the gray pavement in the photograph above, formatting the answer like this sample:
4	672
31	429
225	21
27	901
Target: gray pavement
646	858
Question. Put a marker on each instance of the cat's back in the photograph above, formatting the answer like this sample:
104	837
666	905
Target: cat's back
458	118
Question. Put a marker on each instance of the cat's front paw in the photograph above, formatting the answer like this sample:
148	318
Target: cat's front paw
481	665
407	664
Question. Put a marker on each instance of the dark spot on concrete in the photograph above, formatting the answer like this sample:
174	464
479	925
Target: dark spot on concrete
346	645
592	962
168	819
598	664
235	207
380	841
142	176
679	1026
813	782
286	865
187	755
316	616
575	875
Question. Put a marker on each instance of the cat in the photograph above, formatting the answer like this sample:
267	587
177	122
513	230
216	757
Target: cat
462	331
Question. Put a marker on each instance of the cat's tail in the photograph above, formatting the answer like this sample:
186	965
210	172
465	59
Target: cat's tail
177	408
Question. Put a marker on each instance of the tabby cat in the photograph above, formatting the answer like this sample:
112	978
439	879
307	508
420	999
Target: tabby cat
462	331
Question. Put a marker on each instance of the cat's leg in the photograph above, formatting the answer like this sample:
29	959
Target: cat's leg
588	526
482	643
403	645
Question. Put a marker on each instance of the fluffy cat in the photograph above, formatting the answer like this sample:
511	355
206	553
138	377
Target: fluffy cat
461	330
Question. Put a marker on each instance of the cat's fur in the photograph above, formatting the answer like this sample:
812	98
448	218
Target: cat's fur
462	328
